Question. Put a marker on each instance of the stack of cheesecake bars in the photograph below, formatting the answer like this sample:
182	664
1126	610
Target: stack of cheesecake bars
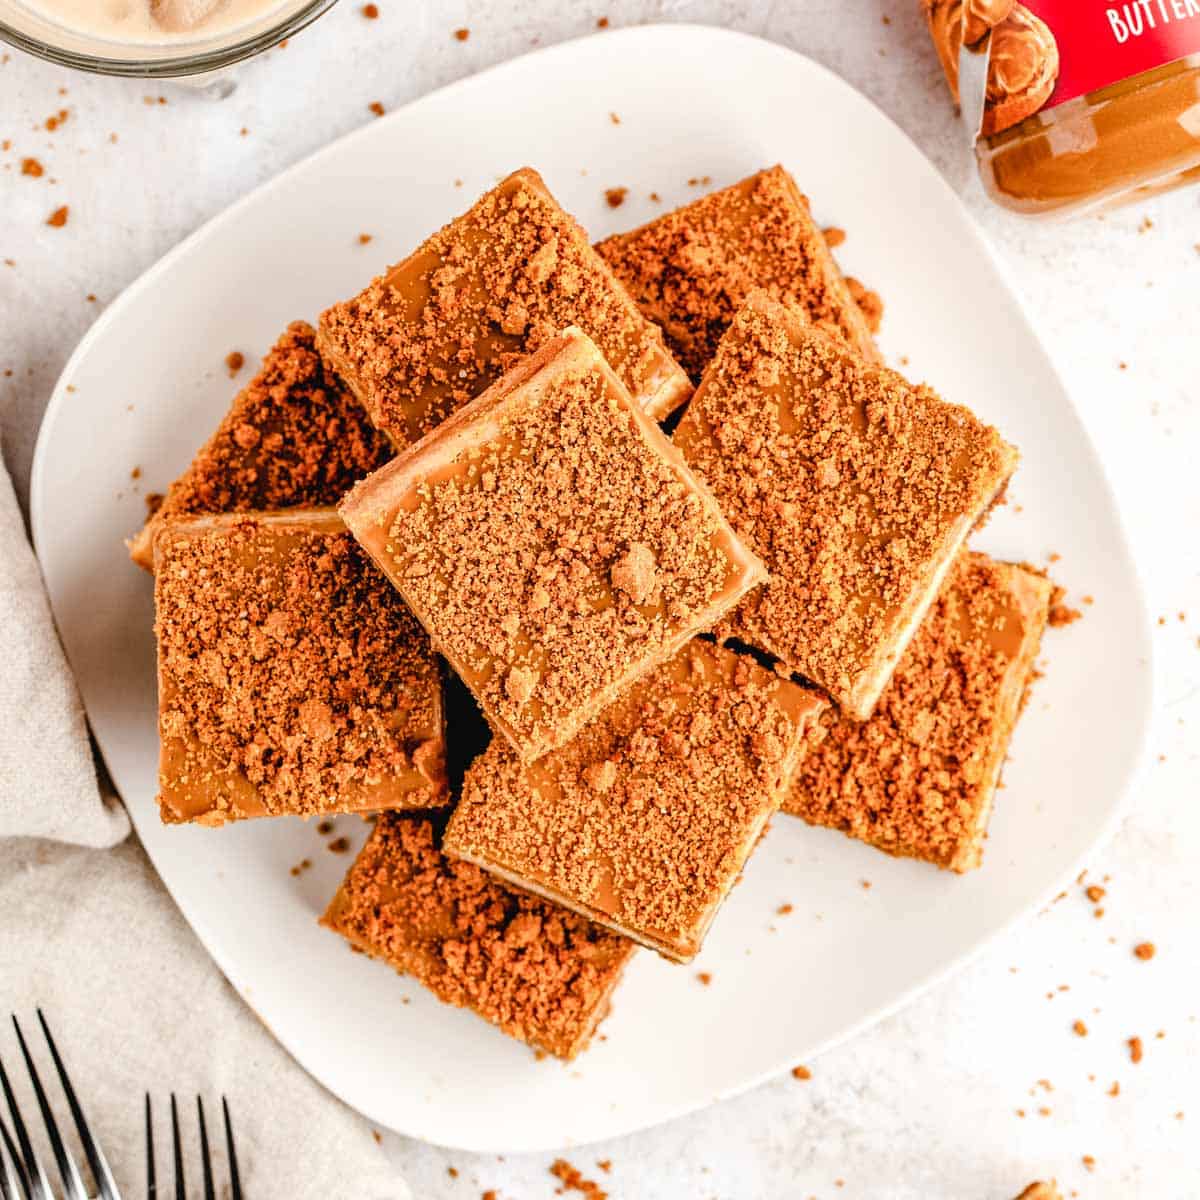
655	510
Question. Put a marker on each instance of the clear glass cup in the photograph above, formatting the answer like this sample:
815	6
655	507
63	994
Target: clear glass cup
200	55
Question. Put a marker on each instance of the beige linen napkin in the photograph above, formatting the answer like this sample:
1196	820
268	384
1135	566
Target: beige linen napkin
136	1005
47	778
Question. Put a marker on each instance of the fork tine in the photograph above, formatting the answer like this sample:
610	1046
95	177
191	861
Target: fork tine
33	1177
91	1150
72	1181
13	1161
180	1188
205	1156
151	1176
235	1180
8	1179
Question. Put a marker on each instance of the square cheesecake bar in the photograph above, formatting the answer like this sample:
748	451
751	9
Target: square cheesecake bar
856	488
292	679
692	269
538	972
440	327
294	437
919	778
644	820
553	542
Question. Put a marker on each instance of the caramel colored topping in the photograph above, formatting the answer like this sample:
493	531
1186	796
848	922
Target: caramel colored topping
293	438
645	818
541	974
919	777
292	679
553	542
439	328
853	486
691	269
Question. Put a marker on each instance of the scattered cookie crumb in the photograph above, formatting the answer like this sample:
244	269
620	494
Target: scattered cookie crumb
302	866
1095	893
376	108
1145	951
705	977
1039	1190
452	1172
324	827
235	360
59	118
572	1180
1115	1090
58	218
605	1164
801	1073
364	238
370	11
1080	1029
31	167
602	23
1135	1049
869	302
461	35
1089	1162
834	236
612	116
784	909
615	197
1060	614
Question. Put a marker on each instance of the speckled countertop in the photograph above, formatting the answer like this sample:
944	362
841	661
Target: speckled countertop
982	1085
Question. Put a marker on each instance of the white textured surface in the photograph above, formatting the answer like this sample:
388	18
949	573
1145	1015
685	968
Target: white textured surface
925	1105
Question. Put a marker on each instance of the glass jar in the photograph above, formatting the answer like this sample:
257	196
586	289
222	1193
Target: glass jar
200	55
1088	103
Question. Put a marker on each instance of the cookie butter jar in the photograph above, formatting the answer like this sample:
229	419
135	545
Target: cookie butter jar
1075	103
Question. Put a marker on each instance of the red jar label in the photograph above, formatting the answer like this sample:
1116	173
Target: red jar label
1100	43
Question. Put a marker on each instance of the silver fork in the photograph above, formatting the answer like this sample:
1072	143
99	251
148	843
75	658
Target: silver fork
235	1182
19	1163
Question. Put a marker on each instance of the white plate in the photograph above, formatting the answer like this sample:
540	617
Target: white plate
146	386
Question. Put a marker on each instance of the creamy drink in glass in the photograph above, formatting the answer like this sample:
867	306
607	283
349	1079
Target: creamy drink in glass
150	20
153	38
